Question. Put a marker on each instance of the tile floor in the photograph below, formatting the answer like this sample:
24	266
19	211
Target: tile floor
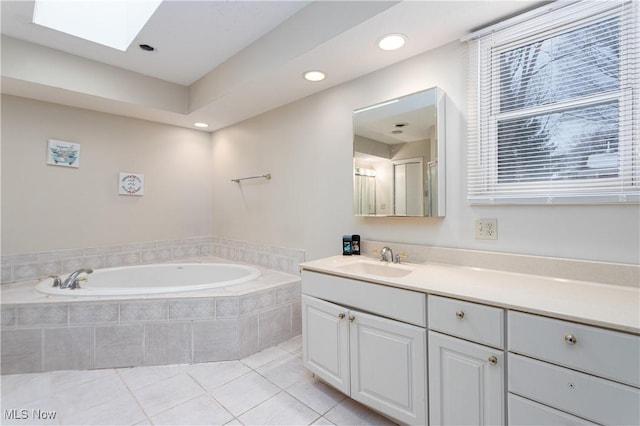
268	388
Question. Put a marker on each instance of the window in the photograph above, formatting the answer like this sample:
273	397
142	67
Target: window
555	107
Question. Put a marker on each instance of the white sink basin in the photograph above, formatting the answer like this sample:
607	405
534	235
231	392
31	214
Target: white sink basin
381	269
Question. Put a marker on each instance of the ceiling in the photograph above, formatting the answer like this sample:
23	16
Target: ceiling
221	62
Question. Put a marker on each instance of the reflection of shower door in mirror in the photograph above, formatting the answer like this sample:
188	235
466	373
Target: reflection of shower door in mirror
408	193
364	195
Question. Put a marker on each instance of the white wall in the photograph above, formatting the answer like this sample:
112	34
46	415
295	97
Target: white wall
47	207
307	146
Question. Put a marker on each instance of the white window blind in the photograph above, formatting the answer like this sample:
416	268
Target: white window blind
554	105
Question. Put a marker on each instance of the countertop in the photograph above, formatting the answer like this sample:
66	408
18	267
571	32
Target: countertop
611	306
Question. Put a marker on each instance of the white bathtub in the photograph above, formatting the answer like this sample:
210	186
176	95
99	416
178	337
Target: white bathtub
155	279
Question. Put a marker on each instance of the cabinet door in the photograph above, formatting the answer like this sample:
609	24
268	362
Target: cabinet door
325	341
388	366
466	383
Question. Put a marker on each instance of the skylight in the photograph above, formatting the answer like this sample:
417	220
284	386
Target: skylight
113	23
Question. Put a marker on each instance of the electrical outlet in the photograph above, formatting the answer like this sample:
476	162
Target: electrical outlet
486	229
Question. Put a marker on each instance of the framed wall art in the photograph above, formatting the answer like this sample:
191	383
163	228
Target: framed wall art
63	153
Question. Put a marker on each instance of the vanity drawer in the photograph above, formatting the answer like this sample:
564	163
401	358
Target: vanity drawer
395	303
599	400
471	321
523	412
597	351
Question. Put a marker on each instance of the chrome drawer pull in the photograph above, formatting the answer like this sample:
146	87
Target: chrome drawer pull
493	360
570	339
460	314
341	315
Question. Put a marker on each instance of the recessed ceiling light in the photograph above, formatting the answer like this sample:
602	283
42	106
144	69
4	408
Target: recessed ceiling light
110	23
314	76
392	41
201	125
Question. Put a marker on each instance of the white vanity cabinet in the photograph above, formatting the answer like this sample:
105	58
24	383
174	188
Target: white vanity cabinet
466	363
562	372
486	352
368	341
325	342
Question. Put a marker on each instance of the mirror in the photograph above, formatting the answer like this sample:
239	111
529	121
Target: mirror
398	156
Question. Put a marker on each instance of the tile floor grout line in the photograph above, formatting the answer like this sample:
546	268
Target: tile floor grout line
284	390
133	395
260	403
213	397
179	405
172	377
293	396
321	414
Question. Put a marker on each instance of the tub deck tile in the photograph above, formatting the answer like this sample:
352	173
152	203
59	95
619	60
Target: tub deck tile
21	351
143	310
216	340
120	345
227	307
167	343
69	348
94	313
180	309
49	315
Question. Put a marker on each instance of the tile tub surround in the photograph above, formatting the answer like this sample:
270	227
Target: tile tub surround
43	333
271	257
270	387
17	268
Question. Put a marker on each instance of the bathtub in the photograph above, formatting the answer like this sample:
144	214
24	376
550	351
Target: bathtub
155	279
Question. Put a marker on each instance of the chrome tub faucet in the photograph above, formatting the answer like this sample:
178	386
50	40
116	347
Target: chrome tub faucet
72	280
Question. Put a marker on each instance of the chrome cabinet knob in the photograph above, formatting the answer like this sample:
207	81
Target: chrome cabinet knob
341	315
351	318
459	314
570	339
493	360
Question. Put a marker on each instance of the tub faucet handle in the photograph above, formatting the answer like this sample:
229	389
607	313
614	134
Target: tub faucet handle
57	281
76	283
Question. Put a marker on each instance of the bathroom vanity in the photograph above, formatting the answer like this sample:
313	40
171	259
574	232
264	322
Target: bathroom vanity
371	348
438	344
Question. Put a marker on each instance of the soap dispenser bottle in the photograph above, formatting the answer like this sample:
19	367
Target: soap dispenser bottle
346	245
355	244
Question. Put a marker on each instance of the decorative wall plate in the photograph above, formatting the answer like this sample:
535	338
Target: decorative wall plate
131	184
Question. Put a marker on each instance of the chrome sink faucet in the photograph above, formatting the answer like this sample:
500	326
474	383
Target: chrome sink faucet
386	254
72	280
